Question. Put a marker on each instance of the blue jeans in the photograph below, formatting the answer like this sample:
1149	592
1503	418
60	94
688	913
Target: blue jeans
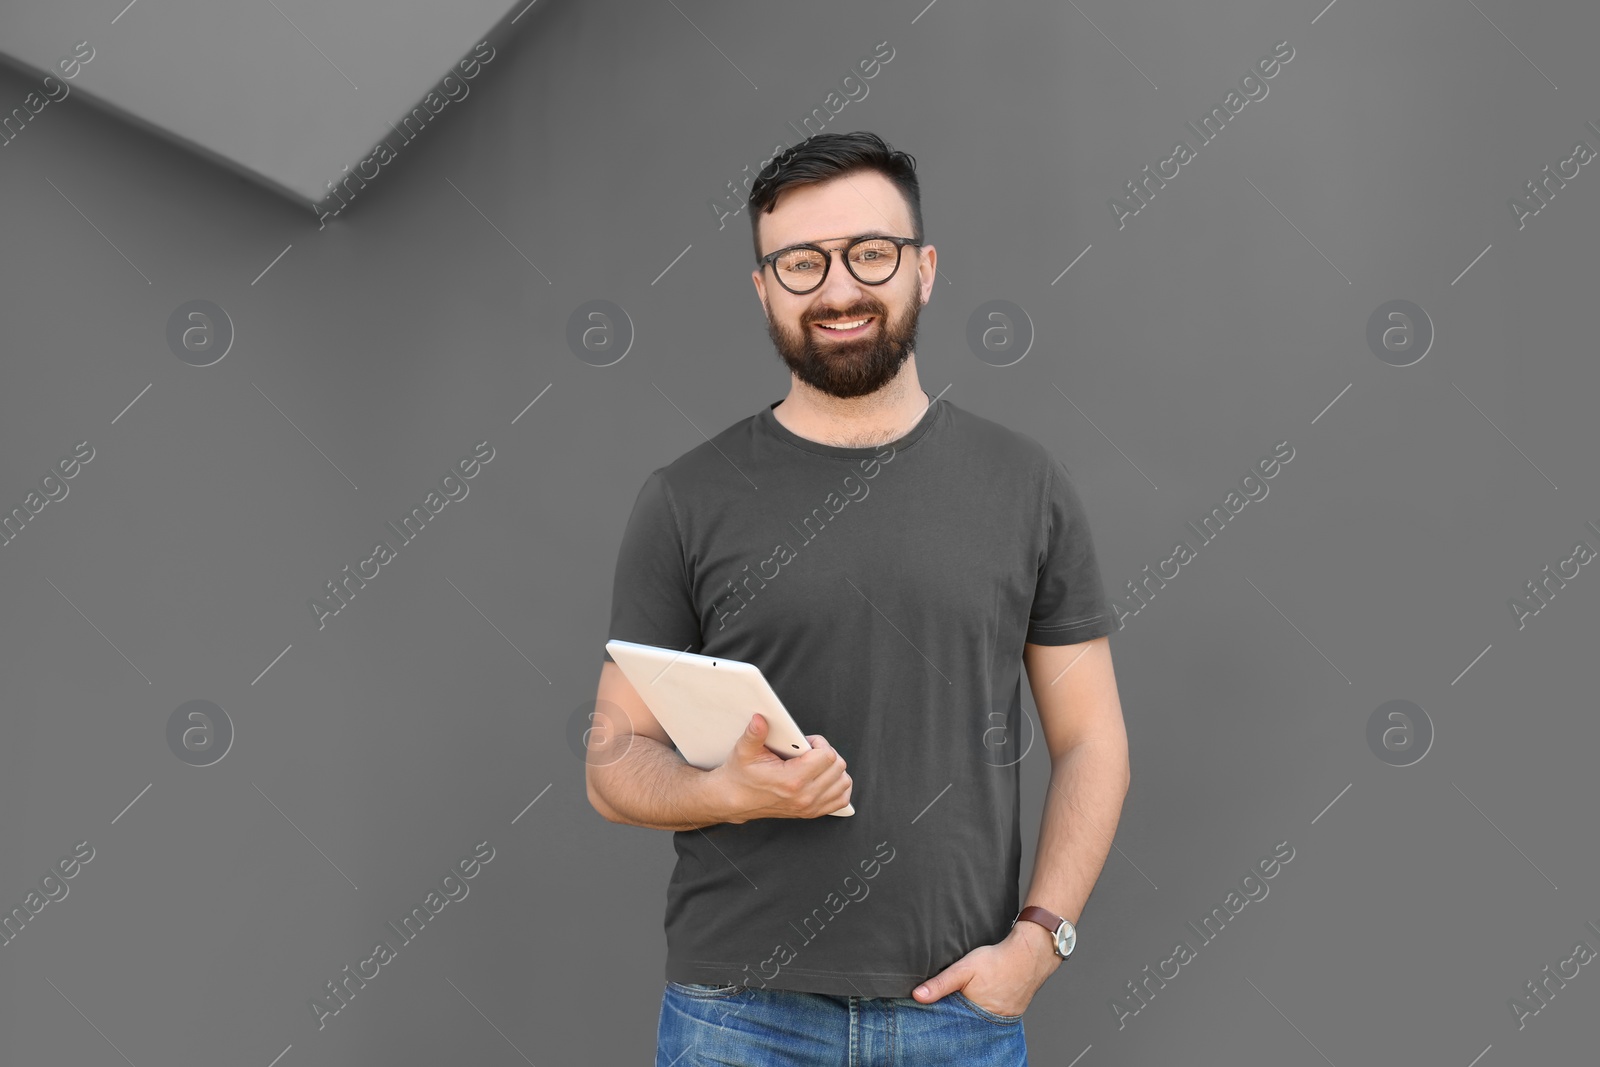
743	1026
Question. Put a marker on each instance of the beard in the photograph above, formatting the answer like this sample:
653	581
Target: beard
854	367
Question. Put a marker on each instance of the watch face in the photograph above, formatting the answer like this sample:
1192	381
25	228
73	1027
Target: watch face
1066	939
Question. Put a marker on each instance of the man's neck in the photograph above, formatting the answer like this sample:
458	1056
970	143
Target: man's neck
854	422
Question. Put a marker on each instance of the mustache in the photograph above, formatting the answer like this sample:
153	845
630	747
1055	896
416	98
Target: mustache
825	315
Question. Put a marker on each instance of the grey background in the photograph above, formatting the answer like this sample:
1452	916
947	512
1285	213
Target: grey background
434	710
255	86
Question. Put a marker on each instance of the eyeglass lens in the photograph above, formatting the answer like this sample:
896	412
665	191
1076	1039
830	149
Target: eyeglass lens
871	260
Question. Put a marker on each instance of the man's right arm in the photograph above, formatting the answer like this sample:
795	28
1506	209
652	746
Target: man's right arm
634	775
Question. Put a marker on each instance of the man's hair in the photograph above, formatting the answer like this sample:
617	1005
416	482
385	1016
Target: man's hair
828	155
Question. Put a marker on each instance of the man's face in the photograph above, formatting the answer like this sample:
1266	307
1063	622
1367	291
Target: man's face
844	363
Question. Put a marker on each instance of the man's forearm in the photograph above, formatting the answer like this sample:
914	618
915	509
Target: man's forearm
1081	811
652	786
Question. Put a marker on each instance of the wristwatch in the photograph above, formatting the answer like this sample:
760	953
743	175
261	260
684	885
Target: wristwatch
1064	933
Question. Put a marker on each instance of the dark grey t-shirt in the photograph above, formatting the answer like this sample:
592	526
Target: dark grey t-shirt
886	593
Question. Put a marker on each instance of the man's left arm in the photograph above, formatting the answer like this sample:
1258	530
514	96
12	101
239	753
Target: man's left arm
1075	689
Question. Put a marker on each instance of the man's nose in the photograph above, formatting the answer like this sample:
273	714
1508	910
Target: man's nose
840	289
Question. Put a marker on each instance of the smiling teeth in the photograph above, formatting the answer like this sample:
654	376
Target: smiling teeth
842	325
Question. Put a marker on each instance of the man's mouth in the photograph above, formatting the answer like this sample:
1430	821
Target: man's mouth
846	327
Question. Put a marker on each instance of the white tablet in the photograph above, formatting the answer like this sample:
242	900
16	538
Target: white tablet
704	702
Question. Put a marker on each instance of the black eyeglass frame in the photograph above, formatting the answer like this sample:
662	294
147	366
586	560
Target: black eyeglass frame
770	259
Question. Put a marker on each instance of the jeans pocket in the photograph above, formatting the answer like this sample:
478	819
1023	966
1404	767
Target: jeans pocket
982	1012
703	991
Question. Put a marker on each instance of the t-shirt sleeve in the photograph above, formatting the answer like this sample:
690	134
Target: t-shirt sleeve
1069	602
650	599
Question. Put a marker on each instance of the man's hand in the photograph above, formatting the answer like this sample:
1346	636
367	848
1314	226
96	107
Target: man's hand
1001	978
760	784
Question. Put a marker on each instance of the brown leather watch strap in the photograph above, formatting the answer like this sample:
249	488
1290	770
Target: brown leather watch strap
1043	916
1052	922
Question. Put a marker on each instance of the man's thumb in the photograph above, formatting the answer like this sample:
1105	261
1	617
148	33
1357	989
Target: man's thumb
937	986
755	731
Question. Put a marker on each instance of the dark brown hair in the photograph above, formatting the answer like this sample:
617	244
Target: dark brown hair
829	155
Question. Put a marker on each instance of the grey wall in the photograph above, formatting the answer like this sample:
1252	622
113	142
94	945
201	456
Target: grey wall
254	87
1229	314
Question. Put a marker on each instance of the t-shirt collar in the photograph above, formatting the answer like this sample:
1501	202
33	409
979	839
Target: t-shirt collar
768	422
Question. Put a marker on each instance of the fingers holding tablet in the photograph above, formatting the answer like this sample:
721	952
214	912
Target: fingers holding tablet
764	785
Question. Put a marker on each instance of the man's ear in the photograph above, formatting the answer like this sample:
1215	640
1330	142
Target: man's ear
761	290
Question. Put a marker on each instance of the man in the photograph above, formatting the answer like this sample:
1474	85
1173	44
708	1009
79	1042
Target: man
891	562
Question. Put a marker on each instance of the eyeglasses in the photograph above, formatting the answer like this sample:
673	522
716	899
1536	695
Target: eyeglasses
872	260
